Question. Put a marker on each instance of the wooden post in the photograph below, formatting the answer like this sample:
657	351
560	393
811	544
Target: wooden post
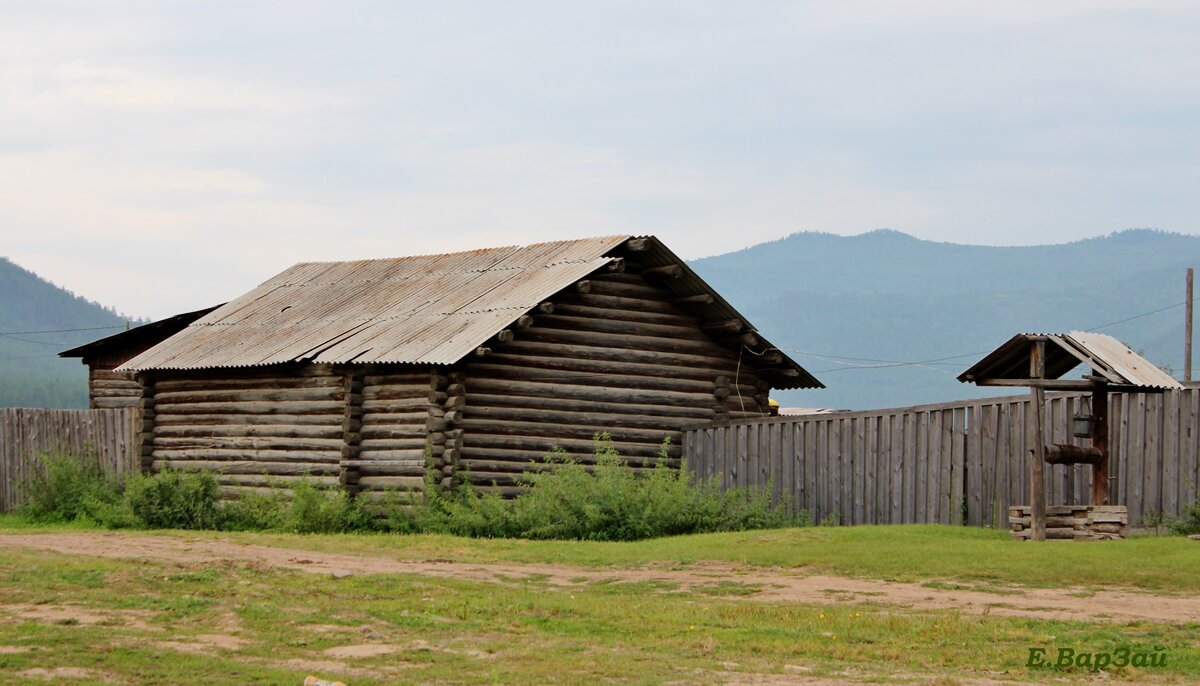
1037	464
1100	443
1187	330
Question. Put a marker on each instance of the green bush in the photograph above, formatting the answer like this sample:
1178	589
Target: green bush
174	500
303	508
66	488
606	501
1189	523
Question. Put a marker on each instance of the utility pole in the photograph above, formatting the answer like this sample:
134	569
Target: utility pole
1187	330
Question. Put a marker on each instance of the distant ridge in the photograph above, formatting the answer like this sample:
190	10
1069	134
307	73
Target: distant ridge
31	373
885	295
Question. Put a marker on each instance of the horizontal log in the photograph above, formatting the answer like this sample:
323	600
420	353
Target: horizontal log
545	307
415	443
246	442
586	392
249	467
698	299
262	383
248	454
724	363
660	318
393	431
537	446
98	393
607	379
643	290
554	431
397	406
604	366
605	419
615	302
329	420
1048	384
669	271
109	375
332	394
501	465
693	346
724	326
394	391
477	400
114	403
524	321
261	408
250	430
414	378
277	481
122	384
409	483
371	454
1065	453
622	326
415	417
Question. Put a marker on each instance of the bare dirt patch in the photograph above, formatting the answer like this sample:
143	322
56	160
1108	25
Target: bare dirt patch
771	584
68	615
60	673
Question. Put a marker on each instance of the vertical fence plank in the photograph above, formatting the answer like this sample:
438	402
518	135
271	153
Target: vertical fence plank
1170	453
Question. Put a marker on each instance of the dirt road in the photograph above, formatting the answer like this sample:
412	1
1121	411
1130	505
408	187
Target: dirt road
771	584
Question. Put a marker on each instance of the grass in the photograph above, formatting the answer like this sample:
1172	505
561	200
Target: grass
151	623
978	557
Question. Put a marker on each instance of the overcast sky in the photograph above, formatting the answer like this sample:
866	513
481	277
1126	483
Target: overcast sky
162	156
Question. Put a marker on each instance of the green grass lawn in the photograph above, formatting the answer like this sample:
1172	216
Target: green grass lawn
133	621
903	553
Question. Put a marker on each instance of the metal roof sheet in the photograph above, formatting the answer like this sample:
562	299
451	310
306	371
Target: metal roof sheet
421	309
1110	358
428	309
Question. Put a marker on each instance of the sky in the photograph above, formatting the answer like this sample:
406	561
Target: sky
158	157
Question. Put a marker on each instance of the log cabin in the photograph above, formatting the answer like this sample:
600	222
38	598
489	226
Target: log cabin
470	366
111	389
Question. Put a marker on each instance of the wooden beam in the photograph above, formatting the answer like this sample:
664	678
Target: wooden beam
1066	453
670	271
699	299
1045	384
724	326
636	245
546	308
1100	494
1037	465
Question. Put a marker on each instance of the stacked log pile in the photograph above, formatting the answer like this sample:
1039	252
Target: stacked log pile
251	429
616	353
1073	522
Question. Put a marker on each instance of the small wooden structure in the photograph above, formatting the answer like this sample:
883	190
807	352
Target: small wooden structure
110	389
473	365
1039	361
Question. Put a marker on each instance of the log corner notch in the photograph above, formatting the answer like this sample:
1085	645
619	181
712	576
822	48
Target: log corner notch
146	416
352	422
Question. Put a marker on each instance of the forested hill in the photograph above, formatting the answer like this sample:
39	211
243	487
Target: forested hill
33	314
885	297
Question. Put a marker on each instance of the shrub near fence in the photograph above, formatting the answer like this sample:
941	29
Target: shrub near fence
106	436
955	463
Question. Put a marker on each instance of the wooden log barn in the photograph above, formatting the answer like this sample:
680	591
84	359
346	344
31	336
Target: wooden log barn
349	372
1039	361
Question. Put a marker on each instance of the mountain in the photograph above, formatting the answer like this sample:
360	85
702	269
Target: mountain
33	316
840	304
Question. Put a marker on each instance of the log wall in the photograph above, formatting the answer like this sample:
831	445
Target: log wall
612	354
109	390
395	417
251	429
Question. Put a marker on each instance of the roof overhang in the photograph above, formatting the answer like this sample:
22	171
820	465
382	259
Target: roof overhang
1112	362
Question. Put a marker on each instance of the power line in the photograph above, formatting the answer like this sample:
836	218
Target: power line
1137	316
90	328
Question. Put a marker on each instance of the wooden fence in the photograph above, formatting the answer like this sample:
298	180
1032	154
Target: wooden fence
955	463
106	436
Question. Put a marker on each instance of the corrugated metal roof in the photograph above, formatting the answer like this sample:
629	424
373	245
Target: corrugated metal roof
1107	356
430	309
422	309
